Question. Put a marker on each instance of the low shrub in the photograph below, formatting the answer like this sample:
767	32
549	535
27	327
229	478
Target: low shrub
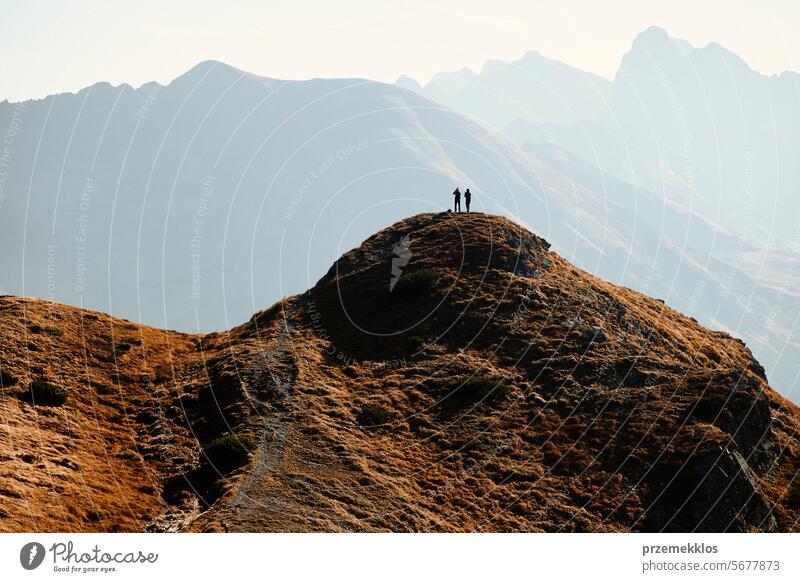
372	415
475	389
101	388
7	379
43	393
117	351
794	494
224	384
416	283
122	347
228	452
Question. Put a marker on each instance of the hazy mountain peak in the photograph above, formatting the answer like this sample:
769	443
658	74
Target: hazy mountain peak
533	87
534	57
654	47
208	68
495	65
655	42
204	66
409	83
652	34
450	82
651	48
731	58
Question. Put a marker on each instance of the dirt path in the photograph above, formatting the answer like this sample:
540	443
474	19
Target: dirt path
277	370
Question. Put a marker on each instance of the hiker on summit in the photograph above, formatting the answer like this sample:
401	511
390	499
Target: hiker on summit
457	200
467	198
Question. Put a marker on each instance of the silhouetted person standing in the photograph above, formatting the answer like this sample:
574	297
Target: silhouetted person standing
457	200
467	198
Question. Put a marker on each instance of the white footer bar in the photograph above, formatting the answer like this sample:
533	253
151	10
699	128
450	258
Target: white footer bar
387	557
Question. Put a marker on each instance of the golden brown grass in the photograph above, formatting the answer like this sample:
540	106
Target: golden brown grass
495	388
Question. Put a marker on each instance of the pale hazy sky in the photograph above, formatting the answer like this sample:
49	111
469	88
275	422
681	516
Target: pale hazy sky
52	45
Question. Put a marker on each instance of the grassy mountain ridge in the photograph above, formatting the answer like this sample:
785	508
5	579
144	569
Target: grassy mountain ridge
492	387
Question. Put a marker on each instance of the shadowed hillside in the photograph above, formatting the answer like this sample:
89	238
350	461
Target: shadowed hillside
449	374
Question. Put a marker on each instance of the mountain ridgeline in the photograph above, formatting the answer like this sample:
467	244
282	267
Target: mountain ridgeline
451	373
190	205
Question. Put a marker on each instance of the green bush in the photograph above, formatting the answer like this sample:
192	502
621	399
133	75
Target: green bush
372	415
42	393
228	452
53	331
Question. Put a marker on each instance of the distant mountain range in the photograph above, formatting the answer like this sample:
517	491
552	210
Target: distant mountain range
194	204
533	88
696	127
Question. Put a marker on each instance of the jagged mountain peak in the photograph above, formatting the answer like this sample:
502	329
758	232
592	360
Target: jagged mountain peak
409	83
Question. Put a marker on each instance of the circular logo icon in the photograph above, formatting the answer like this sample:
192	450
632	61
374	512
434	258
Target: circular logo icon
31	555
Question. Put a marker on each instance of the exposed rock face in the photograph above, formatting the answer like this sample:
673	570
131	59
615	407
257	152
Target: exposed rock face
730	494
493	387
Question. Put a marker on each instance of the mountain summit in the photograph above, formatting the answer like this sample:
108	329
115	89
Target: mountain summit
449	374
533	88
